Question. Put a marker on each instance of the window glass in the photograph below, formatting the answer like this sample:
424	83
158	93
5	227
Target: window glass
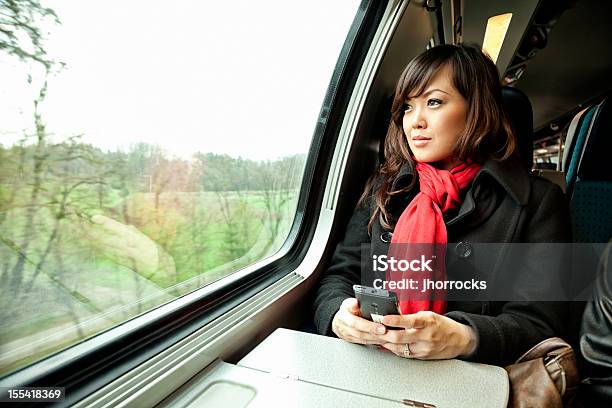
147	148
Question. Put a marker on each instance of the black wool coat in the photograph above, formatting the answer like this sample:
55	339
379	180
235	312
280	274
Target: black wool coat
504	204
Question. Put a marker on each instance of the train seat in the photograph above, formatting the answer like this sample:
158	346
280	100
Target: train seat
570	138
590	179
519	110
575	144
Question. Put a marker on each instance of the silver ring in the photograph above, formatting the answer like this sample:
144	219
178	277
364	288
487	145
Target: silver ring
406	351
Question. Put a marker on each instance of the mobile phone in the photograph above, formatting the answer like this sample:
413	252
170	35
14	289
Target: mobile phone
376	303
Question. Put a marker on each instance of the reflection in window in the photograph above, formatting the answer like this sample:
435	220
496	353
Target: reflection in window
146	150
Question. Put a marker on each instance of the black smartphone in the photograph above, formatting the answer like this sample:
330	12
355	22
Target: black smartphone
376	303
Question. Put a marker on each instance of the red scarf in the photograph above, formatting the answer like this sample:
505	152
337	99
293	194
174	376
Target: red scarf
422	223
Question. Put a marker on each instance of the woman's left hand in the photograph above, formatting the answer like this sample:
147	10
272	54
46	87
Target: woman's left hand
429	336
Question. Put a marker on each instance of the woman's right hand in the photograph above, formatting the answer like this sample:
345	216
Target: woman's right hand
350	326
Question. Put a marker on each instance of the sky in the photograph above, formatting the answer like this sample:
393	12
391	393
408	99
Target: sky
245	78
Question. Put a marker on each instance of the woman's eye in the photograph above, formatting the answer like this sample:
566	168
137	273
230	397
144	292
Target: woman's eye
434	102
407	108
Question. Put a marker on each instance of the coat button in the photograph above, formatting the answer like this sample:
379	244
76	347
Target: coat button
386	236
463	249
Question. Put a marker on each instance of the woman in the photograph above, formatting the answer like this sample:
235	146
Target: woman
451	175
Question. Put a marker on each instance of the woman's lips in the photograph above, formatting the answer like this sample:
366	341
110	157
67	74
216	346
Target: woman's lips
419	141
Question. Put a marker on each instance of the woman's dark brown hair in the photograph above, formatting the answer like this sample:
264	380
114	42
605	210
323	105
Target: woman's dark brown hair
488	133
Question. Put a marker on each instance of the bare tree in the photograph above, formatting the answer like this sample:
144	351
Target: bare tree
40	157
20	32
278	188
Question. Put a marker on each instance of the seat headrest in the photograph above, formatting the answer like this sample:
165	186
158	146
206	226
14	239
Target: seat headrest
519	111
594	163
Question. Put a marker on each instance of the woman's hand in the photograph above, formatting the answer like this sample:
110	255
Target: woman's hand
429	336
350	326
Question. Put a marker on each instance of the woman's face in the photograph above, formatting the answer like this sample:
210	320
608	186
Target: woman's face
434	121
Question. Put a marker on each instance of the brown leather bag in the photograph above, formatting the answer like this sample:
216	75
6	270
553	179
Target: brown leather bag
546	376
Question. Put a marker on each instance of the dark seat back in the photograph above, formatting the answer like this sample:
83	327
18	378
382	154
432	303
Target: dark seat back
518	108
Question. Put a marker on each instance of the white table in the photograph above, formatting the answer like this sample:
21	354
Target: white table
337	364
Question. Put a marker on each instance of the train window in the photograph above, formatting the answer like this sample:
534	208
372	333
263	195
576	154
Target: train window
147	149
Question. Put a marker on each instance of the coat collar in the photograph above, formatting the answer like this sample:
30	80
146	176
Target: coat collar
509	174
403	178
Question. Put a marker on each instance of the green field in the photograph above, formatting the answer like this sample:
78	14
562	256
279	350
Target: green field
86	245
